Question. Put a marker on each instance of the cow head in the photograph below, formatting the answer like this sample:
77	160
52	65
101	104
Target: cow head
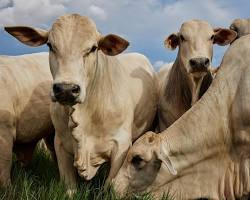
142	164
73	43
241	26
195	40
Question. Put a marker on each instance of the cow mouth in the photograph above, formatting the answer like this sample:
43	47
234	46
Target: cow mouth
87	173
199	73
65	100
67	103
87	176
200	70
84	168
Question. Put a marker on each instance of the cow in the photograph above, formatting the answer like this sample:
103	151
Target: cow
102	101
241	26
183	83
206	152
25	83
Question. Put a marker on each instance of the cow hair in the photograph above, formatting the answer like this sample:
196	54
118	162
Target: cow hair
177	90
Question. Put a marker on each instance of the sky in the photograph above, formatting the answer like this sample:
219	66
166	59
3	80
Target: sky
144	23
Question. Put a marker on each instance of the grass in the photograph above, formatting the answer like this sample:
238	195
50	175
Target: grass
40	181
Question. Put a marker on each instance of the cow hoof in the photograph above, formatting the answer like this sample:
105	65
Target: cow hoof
70	192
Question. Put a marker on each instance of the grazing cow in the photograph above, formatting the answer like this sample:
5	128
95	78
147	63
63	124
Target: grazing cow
241	26
206	152
191	74
102	103
25	83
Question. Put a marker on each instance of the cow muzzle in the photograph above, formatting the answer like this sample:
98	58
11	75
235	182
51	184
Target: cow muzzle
66	94
199	64
86	171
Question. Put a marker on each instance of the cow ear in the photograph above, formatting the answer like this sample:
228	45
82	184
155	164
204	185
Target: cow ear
223	36
172	41
112	44
28	35
163	156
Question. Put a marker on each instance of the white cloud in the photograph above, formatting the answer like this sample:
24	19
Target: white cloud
160	63
98	12
4	3
149	17
212	11
38	12
145	23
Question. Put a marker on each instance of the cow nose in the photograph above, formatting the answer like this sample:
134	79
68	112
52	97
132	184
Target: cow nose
66	93
75	90
199	64
57	89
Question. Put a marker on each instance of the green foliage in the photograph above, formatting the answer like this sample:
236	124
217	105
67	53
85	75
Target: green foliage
40	181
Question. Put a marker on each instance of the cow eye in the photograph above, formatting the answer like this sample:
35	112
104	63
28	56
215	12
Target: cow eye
138	162
93	49
182	38
212	37
50	46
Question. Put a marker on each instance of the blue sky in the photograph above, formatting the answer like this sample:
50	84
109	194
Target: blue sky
145	23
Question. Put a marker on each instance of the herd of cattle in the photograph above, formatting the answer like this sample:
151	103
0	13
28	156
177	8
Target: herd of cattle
104	107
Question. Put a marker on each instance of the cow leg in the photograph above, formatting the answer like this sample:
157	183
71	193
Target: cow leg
117	157
6	145
66	169
49	141
24	152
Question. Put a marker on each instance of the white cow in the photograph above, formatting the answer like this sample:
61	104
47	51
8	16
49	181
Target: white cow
25	83
102	103
241	26
206	152
184	83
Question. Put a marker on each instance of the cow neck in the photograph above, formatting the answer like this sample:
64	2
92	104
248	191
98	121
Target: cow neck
177	89
182	90
204	130
105	83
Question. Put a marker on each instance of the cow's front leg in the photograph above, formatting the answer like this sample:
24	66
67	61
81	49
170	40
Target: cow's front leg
49	141
66	168
119	152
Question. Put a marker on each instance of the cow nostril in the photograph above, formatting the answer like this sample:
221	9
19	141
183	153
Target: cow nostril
75	89
57	88
192	62
206	62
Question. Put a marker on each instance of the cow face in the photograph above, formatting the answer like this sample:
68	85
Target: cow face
73	42
142	164
241	26
195	40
